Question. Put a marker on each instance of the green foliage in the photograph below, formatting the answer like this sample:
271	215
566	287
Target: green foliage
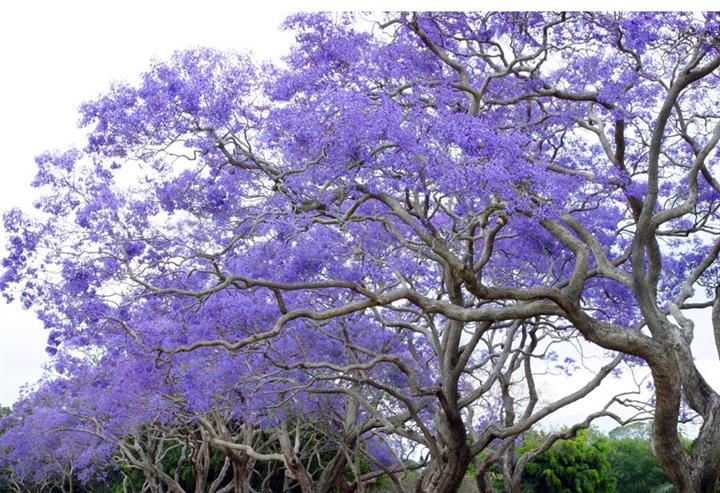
634	466
593	463
577	465
637	431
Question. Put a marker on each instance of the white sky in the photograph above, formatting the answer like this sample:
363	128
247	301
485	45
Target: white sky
55	55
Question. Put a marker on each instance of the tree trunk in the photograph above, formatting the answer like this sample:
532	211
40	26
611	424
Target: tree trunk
446	474
705	458
332	473
241	480
482	482
293	464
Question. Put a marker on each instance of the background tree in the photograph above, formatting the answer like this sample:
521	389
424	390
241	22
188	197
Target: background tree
634	467
579	464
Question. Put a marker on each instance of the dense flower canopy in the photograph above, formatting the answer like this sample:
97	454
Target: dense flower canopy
383	238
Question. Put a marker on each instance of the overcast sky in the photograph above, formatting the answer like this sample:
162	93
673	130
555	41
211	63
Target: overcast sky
55	55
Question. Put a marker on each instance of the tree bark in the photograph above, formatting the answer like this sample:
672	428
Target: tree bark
293	464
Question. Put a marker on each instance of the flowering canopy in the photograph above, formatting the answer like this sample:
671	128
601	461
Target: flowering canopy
394	225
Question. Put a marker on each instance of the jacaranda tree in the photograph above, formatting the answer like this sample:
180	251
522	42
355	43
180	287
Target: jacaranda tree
370	250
